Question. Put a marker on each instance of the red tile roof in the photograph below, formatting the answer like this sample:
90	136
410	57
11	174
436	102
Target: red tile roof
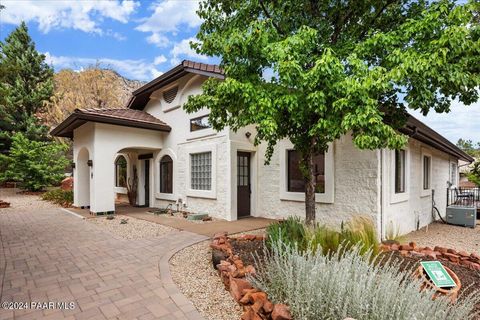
121	117
125	114
202	66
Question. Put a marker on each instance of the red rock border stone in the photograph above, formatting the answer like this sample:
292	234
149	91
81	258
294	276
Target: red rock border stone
4	204
232	271
469	260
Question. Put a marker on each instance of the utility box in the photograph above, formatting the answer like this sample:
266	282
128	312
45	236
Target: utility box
462	216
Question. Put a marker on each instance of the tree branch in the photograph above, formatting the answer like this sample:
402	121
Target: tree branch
379	12
277	27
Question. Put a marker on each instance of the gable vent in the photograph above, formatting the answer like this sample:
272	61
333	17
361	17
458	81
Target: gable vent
170	94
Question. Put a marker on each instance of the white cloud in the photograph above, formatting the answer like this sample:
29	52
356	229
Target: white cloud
461	122
62	14
168	18
133	69
159	40
159	60
183	49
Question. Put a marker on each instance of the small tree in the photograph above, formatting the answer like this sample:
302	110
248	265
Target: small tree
312	71
34	164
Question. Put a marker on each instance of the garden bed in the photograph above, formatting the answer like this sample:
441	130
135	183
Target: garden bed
469	278
181	215
132	229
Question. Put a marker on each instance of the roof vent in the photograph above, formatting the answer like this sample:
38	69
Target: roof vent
170	94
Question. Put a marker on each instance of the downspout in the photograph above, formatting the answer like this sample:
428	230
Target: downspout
381	196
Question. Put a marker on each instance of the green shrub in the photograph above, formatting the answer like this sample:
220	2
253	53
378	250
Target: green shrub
345	284
34	164
59	196
293	232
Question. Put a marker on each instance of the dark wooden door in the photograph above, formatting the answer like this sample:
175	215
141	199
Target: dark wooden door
243	184
147	183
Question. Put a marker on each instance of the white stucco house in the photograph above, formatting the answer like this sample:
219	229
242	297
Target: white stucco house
181	160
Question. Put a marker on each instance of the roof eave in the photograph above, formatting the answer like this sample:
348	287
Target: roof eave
420	131
59	131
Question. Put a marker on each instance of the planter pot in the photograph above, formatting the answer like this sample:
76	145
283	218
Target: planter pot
451	293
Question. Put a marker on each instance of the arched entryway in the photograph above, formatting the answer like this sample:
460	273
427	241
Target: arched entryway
82	179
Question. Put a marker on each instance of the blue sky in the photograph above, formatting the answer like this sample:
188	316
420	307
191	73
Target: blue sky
143	39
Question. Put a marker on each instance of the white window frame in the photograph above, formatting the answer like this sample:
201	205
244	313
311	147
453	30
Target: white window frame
426	192
166	196
208	194
403	196
455	182
122	190
326	197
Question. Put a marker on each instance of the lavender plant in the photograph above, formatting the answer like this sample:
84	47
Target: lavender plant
347	284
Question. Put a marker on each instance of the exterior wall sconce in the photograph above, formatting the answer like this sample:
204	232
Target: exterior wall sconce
90	163
248	134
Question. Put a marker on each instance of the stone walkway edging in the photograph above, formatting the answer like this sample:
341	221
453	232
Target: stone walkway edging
72	213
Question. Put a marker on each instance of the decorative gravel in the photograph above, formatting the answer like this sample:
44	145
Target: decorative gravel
444	235
193	273
133	229
22	201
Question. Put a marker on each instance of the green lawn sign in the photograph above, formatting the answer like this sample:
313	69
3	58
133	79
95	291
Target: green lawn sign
438	274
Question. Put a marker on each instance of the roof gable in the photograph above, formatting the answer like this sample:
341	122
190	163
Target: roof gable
141	96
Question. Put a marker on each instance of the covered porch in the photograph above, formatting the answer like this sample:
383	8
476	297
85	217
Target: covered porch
113	152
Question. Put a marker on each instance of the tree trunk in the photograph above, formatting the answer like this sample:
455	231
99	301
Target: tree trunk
309	187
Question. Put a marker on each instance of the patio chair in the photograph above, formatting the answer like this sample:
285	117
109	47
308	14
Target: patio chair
463	196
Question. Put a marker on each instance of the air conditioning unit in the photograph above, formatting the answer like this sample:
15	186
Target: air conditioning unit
462	216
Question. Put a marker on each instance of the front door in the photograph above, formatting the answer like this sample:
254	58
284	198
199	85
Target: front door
243	184
147	183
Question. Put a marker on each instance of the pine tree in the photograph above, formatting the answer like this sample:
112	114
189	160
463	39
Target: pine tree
26	85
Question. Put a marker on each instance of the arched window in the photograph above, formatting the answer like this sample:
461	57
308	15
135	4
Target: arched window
166	174
121	172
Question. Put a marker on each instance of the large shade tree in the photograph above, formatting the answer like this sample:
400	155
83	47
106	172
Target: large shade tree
26	86
312	71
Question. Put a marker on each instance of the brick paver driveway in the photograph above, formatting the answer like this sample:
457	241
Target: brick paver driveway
50	256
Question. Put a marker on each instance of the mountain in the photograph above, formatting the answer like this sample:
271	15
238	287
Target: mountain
93	87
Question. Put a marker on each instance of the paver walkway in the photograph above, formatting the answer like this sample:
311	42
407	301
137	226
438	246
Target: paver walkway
48	255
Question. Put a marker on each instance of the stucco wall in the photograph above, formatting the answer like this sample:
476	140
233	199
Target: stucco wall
180	142
404	215
355	186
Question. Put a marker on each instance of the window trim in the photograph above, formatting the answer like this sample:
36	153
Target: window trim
289	180
118	187
426	192
165	196
454	183
403	196
327	196
208	194
196	118
160	173
404	170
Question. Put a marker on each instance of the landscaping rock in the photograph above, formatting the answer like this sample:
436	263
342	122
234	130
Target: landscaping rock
218	256
4	204
268	306
237	286
281	312
250	314
67	184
